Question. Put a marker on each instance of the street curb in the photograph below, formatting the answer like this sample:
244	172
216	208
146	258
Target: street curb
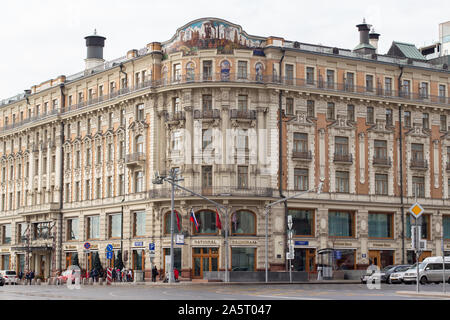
189	283
425	294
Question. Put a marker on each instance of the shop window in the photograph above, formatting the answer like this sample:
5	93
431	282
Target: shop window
167	222
93	227
345	259
341	224
243	259
302	222
446	226
381	225
138	259
243	223
207	222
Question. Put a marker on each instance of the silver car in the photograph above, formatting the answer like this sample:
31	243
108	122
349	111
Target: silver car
430	270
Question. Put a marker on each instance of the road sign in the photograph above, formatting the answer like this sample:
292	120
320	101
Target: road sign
179	239
289	255
416	210
109	255
338	255
151	246
87	245
290	222
152	254
109	248
301	243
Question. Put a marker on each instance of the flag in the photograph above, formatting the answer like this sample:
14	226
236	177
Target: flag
218	223
193	219
178	220
234	220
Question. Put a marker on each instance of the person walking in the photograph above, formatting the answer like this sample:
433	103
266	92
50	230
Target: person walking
176	273
154	273
27	276
31	276
130	275
113	274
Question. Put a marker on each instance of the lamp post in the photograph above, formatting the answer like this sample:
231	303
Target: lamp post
172	179
266	211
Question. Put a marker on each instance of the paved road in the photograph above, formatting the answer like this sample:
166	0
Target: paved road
218	292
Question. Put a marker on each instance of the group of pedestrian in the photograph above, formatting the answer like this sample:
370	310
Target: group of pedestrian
124	275
29	276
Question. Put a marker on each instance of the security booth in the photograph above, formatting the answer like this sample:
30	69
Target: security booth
325	266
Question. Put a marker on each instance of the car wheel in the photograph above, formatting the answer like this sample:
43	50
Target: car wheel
423	280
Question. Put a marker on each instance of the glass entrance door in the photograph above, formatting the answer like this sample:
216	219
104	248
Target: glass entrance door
304	260
204	259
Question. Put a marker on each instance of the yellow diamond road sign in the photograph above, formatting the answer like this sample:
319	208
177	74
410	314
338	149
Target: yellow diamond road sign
416	210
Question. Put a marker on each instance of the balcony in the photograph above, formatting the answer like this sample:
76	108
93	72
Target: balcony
135	159
207	114
343	158
418	164
175	116
302	155
382	161
243	114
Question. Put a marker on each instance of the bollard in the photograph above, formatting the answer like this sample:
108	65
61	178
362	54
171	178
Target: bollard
84	281
38	282
33	282
91	282
100	281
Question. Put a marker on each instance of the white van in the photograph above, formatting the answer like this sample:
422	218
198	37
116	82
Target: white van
430	270
10	276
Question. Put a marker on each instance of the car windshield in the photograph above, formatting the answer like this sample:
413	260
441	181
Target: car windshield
10	273
403	268
387	268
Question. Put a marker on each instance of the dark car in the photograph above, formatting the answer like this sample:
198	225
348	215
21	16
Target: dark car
394	269
2	281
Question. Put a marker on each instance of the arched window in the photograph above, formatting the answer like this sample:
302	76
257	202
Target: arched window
190	72
139	144
225	70
206	222
259	68
243	222
167	223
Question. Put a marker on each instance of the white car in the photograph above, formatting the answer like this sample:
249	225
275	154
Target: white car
430	270
397	277
10	276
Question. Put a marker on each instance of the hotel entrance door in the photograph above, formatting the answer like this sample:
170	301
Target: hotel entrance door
204	259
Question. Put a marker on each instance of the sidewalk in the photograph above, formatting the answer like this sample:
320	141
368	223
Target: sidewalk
425	294
190	283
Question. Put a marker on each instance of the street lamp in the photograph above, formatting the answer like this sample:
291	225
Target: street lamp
159	179
266	210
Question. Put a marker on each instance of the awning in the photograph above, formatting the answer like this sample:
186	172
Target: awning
32	248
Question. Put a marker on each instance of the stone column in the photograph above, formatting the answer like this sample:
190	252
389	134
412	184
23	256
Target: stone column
363	228
58	167
322	227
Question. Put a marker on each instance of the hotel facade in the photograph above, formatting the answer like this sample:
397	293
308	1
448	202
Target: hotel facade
78	155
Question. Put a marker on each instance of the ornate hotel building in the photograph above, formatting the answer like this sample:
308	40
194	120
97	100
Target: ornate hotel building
78	154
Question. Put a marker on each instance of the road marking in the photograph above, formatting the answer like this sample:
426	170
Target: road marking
291	298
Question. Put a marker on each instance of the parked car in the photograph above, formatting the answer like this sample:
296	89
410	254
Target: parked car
430	270
396	273
65	275
2	281
373	275
9	276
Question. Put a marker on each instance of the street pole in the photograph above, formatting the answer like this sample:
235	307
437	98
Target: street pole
443	261
172	218
417	254
266	208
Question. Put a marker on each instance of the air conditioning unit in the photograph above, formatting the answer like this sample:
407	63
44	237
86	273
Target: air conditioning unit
423	245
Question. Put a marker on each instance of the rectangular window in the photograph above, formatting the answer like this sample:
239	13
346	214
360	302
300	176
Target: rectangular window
77	191
446	226
389	118
110	152
301	179
426	120
406	88
93	227
425	229
243	259
443	121
68	195
98	188
122	117
388	86
140	112
416	151
441	93
207	176
100	91
88	190
139	224
207	102
380	225
139	181
110	119
418	187
289	106
242	103
310	75
115	225
381	184
330	79
206	139
341	146
78	159
289	74
310	109
407	116
109	187
369	83
242	70
176	72
88	157
207	70
380	147
423	90
6	234
112	86
370	115
349	81
242	177
72	229
300	142
340	224
121	184
330	111
351	112
176	105
99	123
302	222
99	154
342	181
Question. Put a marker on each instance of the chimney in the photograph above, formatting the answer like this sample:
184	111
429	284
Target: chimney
373	39
364	46
94	44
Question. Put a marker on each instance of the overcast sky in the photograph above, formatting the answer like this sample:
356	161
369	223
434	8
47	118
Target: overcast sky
43	39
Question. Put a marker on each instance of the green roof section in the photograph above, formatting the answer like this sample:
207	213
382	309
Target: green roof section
409	50
364	45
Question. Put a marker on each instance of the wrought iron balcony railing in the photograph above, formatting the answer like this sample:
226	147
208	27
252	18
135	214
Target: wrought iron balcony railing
382	161
243	114
418	164
343	157
207	114
213	191
303	155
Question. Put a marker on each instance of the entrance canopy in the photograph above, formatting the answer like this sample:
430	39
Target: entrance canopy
33	248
